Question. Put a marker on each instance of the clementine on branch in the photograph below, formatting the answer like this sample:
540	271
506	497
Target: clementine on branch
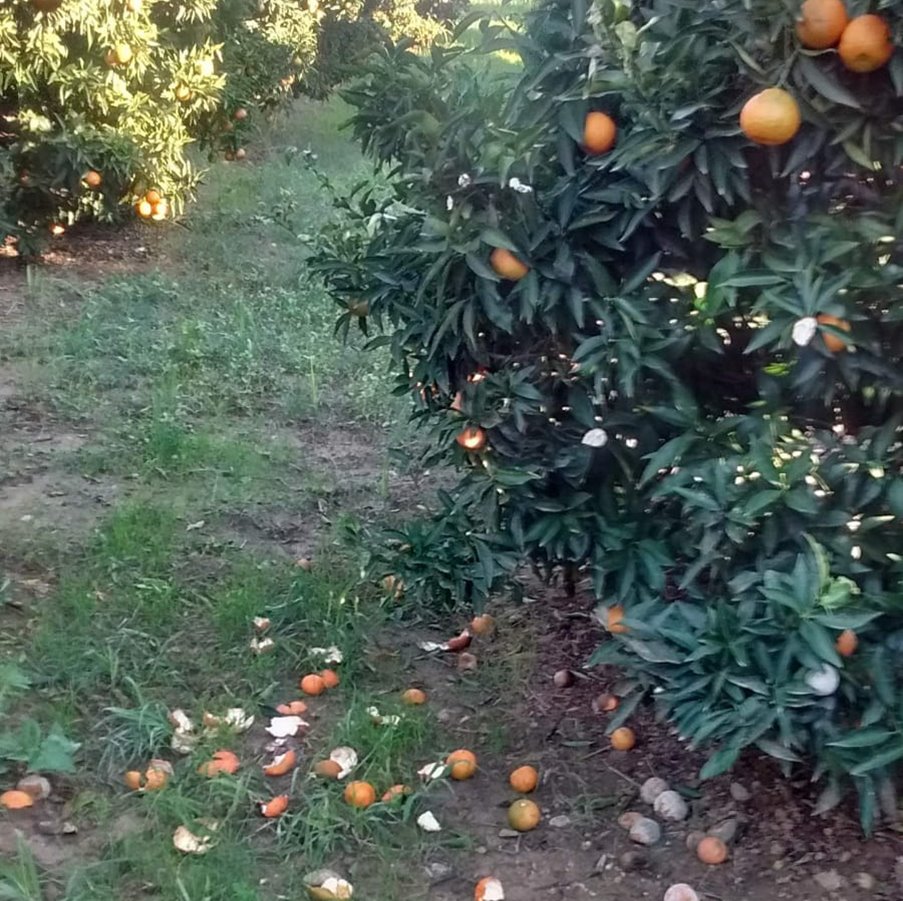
865	44
770	117
821	23
599	133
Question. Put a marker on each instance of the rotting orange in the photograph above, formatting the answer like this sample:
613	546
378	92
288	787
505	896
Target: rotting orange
462	764
524	815
599	132
484	624
360	794
293	708
274	807
16	800
507	265
472	439
330	678
865	44
313	685
712	850
821	23
613	620
846	643
93	179
623	739
489	889
328	769
524	779
607	702
222	762
771	117
833	342
413	697
281	764
395	793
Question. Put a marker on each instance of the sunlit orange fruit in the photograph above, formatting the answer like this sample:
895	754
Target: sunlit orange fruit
145	209
153	196
360	794
771	117
613	620
484	624
93	179
183	93
472	439
623	739
462	764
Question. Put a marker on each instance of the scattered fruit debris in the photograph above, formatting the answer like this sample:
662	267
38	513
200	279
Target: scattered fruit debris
281	764
14	799
222	762
274	807
286	726
327	885
489	889
428	822
189	842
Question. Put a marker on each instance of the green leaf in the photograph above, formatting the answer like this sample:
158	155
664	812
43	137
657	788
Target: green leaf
825	84
55	754
720	762
777	750
863	738
881	759
496	238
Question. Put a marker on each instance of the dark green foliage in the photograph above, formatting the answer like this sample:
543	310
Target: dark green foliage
656	419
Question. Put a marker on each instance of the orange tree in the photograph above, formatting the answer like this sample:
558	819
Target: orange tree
647	297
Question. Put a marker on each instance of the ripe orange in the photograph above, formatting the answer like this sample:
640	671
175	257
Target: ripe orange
846	643
222	762
360	794
613	618
462	764
711	850
330	678
395	793
472	439
16	800
93	179
328	769
599	133
274	808
145	209
524	815
832	342
160	210
821	23
524	779
313	685
623	739
507	265
183	93
153	196
281	764
414	697
865	44
770	117
484	624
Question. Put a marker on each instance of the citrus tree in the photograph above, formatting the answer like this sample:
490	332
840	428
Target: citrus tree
647	297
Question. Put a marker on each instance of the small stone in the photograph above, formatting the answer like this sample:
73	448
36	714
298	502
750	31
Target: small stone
829	880
669	805
628	818
439	871
693	840
508	833
865	881
480	849
645	831
652	788
601	864
560	822
726	830
739	792
633	860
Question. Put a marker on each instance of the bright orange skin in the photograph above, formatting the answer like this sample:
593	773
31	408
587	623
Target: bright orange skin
865	44
711	850
313	685
821	23
462	764
330	677
282	764
293	708
153	197
832	342
472	439
613	620
770	117
507	265
414	697
524	815
846	643
524	779
275	808
16	800
483	624
599	133
360	794
222	762
623	739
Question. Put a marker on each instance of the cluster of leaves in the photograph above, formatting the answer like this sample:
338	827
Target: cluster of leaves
664	413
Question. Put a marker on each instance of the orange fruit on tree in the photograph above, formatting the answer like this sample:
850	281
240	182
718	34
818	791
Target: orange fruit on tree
183	93
472	439
462	764
832	342
484	624
313	685
395	793
770	117
160	210
293	708
865	44
623	739
145	209
360	794
330	678
122	53
524	779
221	762
414	697
16	800
821	23
599	132
846	643
328	769
153	196
712	850
507	265
524	815
93	179
613	620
